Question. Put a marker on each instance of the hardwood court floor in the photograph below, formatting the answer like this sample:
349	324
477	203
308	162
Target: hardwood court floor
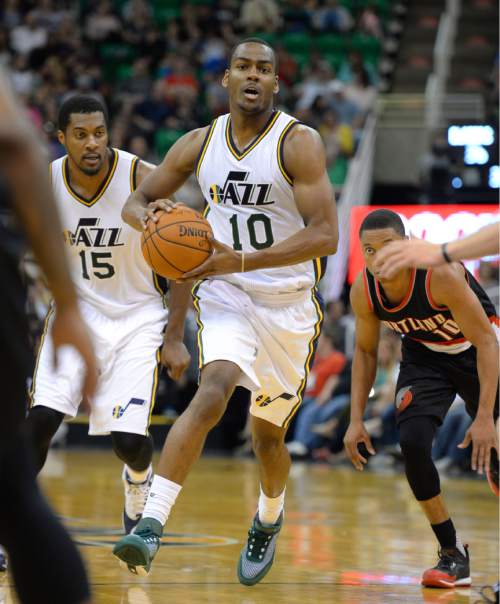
349	538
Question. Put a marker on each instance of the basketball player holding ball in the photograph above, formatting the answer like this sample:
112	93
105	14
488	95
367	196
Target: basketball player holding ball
450	347
272	211
120	298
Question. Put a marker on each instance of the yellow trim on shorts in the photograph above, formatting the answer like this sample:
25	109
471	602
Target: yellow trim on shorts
50	173
204	147
50	312
153	391
279	152
234	151
317	270
307	365
196	303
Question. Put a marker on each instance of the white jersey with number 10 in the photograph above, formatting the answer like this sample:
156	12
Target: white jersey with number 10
250	201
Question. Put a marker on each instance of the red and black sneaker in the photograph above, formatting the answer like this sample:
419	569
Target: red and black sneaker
492	472
452	570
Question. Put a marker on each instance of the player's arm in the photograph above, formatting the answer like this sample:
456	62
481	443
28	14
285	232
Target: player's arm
417	252
164	180
449	288
364	368
36	209
305	160
174	354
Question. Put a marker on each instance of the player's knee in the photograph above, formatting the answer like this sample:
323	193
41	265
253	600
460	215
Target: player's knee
415	438
131	448
267	447
210	403
42	423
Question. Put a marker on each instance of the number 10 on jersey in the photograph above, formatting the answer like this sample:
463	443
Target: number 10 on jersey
260	232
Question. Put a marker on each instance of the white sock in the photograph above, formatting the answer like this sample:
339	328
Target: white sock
270	508
161	498
138	477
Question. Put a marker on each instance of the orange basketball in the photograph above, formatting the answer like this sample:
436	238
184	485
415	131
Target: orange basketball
177	243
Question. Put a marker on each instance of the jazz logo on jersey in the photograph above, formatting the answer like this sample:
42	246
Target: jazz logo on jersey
263	400
239	192
89	234
119	410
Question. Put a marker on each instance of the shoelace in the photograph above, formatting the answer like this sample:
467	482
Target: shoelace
147	535
446	558
258	542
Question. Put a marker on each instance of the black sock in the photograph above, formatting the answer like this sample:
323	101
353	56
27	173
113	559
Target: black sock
445	533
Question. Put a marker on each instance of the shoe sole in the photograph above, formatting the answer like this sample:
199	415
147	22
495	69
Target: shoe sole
253	581
133	559
466	582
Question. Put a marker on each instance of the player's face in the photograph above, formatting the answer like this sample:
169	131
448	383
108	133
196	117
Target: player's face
86	141
251	78
373	240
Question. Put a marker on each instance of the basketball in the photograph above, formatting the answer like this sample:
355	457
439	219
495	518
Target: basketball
177	243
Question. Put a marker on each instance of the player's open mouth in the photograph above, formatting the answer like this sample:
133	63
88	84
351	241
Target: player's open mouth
251	92
92	158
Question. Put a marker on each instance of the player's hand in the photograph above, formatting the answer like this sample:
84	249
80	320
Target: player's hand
483	436
175	358
356	434
68	328
406	253
223	260
150	212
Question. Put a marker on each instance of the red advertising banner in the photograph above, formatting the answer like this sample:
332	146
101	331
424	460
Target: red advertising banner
436	223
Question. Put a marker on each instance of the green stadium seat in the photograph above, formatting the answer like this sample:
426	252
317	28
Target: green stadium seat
296	42
165	138
269	37
368	46
331	43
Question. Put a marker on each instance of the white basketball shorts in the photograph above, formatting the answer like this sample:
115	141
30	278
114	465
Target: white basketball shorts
127	351
270	337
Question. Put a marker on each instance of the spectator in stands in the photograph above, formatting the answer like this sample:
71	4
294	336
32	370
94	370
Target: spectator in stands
332	17
345	109
488	277
361	92
10	14
318	404
449	458
338	138
369	22
260	15
28	36
102	23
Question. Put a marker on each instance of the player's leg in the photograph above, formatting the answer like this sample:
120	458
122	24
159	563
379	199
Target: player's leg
182	448
136	451
41	424
227	353
287	335
416	437
274	465
55	392
424	393
44	562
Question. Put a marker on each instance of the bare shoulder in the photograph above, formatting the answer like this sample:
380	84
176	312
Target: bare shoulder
302	135
358	297
304	152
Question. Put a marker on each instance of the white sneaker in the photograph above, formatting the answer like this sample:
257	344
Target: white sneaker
135	499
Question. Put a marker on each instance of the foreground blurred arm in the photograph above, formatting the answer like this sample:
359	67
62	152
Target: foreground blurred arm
417	252
26	175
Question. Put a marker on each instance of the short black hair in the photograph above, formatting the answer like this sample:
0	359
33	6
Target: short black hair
383	219
254	41
80	103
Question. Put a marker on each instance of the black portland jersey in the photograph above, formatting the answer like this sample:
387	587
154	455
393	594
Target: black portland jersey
418	316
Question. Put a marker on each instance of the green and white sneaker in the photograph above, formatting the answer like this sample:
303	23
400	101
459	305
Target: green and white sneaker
137	550
257	556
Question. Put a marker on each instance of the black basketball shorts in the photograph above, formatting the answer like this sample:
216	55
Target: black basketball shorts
429	381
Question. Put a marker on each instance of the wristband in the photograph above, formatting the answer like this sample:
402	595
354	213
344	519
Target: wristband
444	252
